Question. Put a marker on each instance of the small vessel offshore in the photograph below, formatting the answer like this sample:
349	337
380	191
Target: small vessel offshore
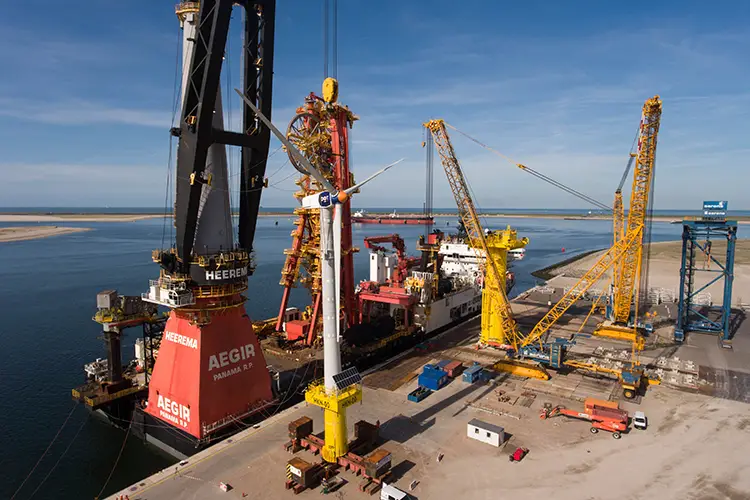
362	217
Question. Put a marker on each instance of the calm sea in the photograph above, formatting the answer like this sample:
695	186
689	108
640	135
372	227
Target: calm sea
47	295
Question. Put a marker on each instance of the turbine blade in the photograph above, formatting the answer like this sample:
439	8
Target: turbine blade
357	186
293	150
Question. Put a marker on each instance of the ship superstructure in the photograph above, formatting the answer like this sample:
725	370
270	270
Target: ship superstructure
406	299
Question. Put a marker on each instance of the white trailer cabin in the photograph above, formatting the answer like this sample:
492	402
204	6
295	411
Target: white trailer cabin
487	433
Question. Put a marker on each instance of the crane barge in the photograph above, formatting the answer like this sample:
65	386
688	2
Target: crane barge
210	371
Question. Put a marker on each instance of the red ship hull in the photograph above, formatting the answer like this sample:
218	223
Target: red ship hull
208	375
370	219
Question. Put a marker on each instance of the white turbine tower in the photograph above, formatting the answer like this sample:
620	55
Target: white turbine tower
333	397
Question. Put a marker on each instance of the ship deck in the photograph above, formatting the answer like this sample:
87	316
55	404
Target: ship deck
692	426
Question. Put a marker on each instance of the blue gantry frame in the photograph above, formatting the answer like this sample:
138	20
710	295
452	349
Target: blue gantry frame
697	236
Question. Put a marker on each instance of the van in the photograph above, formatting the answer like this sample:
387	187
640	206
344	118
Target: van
640	421
389	492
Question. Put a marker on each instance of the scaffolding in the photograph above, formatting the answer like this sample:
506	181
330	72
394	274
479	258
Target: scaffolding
693	314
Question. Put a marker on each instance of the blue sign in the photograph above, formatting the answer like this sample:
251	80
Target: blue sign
715	208
324	199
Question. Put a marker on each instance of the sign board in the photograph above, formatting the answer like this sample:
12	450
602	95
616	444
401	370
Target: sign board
715	208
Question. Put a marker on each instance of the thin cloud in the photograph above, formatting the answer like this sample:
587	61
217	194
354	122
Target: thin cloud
82	112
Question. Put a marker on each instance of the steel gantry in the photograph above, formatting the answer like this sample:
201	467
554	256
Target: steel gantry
694	314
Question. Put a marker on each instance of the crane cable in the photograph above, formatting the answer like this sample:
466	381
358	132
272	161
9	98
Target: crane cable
49	473
539	175
117	460
45	451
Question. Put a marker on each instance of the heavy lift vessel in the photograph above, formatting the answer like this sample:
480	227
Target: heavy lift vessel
210	371
529	354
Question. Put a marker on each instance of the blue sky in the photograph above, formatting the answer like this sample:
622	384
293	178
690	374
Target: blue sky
86	97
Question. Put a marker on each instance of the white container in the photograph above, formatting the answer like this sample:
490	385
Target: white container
493	435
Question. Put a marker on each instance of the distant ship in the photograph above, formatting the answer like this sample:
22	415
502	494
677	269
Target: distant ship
361	217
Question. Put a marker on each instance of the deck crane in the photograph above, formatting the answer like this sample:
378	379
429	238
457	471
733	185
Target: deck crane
529	353
498	326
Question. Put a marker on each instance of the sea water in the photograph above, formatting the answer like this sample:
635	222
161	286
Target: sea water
48	294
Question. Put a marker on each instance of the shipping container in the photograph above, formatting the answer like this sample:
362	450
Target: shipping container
433	381
300	428
593	402
442	364
454	368
471	374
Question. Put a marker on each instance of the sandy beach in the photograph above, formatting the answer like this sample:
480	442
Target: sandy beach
77	217
35	232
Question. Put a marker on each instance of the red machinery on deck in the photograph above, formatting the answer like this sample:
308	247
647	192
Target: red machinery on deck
321	133
604	415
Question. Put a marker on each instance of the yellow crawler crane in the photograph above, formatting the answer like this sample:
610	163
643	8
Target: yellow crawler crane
620	324
530	353
498	326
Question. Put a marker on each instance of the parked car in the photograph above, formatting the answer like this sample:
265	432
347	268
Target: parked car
518	455
640	421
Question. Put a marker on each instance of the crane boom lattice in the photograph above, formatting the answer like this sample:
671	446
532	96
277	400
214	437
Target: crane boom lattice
581	287
630	270
468	215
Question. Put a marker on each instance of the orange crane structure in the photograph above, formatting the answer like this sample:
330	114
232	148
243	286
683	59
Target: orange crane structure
320	131
603	415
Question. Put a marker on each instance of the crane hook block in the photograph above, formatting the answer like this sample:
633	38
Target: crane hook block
330	90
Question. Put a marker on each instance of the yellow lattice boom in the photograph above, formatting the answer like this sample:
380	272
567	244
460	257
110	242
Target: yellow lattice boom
630	267
504	328
582	286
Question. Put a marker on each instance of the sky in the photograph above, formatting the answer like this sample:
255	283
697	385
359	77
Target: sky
88	90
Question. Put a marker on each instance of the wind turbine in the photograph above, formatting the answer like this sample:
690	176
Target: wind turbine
336	393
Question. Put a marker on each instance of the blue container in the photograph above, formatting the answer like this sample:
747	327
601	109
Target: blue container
471	374
432	378
419	394
443	363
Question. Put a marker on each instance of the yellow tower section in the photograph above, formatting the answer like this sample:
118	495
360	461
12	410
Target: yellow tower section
493	294
334	404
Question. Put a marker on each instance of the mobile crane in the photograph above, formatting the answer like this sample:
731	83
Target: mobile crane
529	353
498	325
620	323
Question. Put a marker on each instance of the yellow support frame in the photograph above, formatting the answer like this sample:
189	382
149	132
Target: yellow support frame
334	404
593	275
